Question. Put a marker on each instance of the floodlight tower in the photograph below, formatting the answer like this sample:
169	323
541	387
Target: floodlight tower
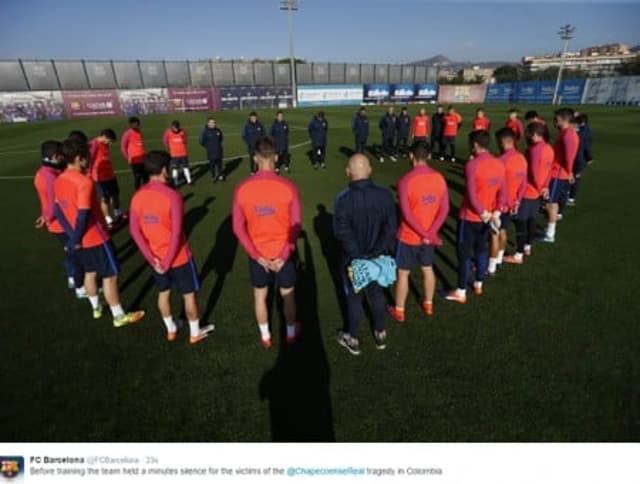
291	6
566	34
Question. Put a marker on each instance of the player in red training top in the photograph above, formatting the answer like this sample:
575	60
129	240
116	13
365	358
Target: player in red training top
424	204
481	207
451	124
133	150
78	212
44	180
155	219
103	174
175	140
565	151
515	184
266	219
481	121
539	161
515	125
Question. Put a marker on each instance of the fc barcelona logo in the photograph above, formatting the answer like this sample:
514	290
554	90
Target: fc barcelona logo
11	467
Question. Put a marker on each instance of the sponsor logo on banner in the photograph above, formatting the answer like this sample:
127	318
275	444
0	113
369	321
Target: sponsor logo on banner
328	95
19	107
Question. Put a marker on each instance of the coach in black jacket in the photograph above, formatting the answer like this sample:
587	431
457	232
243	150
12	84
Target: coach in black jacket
365	226
437	127
211	140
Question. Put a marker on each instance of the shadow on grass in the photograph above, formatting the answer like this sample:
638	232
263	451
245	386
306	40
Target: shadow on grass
297	387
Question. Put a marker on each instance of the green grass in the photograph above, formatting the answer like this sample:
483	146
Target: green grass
550	353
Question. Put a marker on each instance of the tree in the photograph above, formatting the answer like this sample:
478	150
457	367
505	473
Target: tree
631	68
507	73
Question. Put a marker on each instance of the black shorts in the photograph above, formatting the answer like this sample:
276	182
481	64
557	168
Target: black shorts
505	220
529	208
180	162
108	188
100	259
284	279
449	140
558	191
183	279
411	256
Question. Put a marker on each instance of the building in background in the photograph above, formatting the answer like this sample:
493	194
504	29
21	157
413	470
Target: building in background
476	72
597	60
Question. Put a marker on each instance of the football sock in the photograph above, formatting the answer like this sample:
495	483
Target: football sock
291	330
518	255
194	328
500	256
551	229
95	301
174	175
493	263
108	219
264	331
171	326
116	311
117	212
187	174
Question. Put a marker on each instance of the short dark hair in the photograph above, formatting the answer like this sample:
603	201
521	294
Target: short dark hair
134	120
266	147
109	134
480	137
535	128
566	113
253	113
321	114
421	150
210	118
78	135
504	133
582	118
175	124
279	111
450	107
530	115
513	110
155	161
50	148
404	108
479	109
73	148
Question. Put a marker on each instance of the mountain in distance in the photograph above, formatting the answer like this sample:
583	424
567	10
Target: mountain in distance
443	61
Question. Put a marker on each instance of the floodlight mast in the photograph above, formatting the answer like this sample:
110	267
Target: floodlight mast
290	6
566	34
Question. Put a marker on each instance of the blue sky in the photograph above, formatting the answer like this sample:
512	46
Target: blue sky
326	30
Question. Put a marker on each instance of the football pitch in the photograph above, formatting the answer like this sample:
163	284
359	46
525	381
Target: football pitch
551	352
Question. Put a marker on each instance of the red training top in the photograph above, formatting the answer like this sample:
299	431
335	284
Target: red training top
481	123
44	182
565	150
451	124
420	126
515	176
540	159
132	146
175	142
101	166
485	190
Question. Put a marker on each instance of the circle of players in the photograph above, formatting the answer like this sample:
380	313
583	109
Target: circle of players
80	205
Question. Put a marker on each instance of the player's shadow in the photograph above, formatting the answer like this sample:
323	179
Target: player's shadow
323	228
346	151
195	215
297	387
231	166
456	186
220	260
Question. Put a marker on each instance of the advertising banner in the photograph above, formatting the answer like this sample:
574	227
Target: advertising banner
183	99
16	107
468	93
613	90
376	93
143	101
255	97
501	93
426	93
330	95
402	93
86	104
571	91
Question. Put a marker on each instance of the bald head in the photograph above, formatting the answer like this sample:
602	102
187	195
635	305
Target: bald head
358	167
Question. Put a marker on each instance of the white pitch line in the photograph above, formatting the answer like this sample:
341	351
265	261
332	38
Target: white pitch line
197	163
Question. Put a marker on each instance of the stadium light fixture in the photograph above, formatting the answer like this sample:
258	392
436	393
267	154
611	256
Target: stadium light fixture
291	6
566	34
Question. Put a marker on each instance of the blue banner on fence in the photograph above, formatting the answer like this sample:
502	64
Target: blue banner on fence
426	92
376	93
571	91
501	93
330	95
403	92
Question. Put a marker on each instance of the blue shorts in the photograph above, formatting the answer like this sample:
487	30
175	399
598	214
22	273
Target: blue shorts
505	221
108	188
411	256
100	259
180	162
528	208
183	279
559	190
284	279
